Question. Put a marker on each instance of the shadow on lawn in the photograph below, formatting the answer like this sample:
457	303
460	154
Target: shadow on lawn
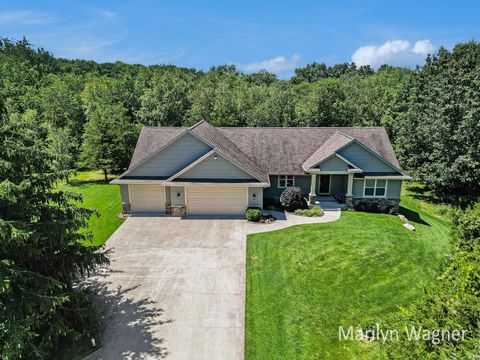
420	192
127	323
412	216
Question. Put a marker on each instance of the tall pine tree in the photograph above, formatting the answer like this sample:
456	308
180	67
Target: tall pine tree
41	250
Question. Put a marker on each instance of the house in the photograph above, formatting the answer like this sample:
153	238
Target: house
207	170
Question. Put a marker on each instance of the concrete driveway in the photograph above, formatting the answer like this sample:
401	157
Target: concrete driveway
175	289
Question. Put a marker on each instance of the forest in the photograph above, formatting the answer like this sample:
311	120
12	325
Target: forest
59	116
91	113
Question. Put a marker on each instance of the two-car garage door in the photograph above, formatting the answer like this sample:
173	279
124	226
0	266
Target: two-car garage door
206	200
213	200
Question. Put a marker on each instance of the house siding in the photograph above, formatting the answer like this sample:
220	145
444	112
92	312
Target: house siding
362	158
173	158
256	201
333	164
302	181
124	194
219	168
174	199
394	188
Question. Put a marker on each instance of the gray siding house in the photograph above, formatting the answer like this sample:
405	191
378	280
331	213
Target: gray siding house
205	170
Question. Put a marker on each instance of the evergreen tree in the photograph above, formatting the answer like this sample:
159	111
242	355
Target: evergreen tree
42	251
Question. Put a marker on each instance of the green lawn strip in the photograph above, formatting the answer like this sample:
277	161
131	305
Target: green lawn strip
305	281
100	196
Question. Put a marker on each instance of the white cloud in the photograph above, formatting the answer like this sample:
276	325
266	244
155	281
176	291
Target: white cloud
423	47
393	52
279	64
23	17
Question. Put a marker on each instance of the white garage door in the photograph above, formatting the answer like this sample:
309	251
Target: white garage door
147	198
216	201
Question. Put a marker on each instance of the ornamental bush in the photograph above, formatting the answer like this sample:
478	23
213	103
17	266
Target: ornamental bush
253	214
292	199
316	211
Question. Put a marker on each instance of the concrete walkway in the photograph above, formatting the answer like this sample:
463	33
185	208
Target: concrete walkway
175	289
285	220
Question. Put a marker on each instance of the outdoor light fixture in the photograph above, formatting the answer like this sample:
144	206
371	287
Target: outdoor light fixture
254	196
215	157
178	194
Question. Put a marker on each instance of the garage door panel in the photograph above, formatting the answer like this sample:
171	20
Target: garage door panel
216	201
147	198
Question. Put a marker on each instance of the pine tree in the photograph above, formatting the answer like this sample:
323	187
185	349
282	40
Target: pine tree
41	250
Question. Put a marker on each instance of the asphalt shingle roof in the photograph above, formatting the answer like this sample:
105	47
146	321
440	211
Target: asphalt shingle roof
329	147
273	151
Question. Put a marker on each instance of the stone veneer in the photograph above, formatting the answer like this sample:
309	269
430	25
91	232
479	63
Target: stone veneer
382	205
175	210
126	208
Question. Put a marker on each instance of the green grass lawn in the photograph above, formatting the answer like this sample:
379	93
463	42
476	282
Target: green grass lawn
101	196
305	281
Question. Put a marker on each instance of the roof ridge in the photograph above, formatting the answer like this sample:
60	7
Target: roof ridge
341	133
196	124
300	127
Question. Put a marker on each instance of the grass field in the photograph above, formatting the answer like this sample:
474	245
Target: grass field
305	281
100	196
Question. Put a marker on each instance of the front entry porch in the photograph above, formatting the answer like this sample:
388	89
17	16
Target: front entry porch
324	186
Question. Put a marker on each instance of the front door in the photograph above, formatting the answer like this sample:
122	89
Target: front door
324	187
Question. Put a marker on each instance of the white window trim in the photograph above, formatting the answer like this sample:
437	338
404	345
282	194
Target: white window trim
375	189
285	176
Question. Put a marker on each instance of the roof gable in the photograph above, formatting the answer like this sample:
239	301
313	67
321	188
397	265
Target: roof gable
213	166
365	158
328	148
228	149
170	158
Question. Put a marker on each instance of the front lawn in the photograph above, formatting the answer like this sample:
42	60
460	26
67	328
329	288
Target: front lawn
101	196
305	281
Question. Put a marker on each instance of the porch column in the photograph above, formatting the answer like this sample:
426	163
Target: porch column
349	196
350	185
312	197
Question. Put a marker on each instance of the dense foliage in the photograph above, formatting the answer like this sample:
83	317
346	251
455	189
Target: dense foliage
437	123
94	111
41	256
450	304
292	199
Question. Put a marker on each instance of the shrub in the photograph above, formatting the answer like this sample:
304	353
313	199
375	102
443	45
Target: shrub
316	211
253	214
340	198
466	227
292	199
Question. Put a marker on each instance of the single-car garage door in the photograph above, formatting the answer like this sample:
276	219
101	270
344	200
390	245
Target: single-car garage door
217	200
147	198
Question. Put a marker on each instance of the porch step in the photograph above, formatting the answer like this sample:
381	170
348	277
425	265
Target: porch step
331	205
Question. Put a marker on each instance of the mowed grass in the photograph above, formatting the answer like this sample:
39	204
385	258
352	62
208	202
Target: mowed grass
103	197
305	281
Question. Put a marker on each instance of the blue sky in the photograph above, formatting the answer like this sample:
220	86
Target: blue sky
276	35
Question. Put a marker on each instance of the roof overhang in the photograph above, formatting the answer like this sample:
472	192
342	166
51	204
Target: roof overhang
186	183
394	177
353	169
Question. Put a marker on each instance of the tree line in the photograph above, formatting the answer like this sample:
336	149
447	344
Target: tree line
58	115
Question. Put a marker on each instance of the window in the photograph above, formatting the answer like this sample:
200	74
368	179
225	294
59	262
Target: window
375	188
286	181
